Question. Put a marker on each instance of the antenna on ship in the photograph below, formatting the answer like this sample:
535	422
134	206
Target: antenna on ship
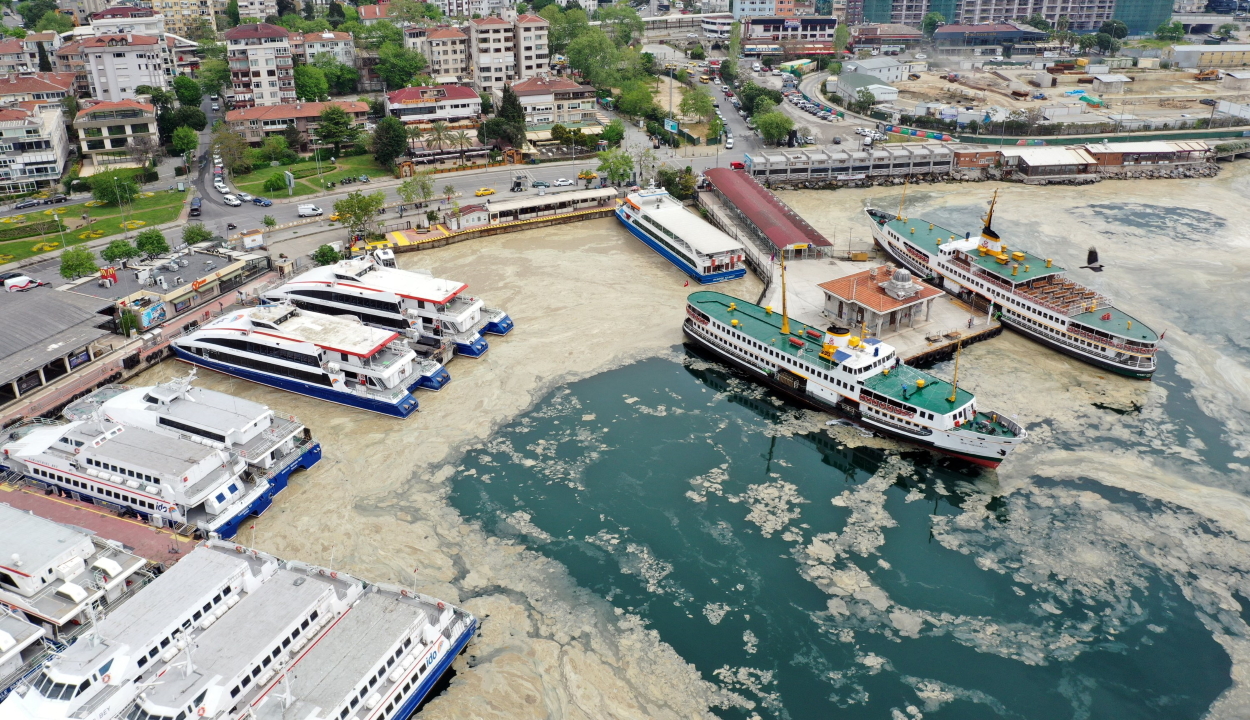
785	316
902	200
959	344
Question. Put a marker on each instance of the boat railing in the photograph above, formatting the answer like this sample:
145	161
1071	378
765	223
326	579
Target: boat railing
1140	350
88	708
886	406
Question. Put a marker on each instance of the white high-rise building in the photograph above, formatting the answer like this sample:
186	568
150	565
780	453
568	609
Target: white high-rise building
117	64
261	67
503	51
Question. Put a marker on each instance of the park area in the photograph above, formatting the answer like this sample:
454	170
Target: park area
310	176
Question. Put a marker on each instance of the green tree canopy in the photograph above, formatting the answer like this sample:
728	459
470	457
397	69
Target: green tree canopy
621	22
358	211
32	11
774	126
389	140
232	12
113	187
1038	21
77	261
930	23
326	255
185	140
119	250
1170	32
310	83
195	233
616	165
1115	28
1227	30
614	133
696	102
418	187
635	98
170	120
842	37
339	76
510	108
335	127
214	75
151	242
714	128
188	91
595	56
397	65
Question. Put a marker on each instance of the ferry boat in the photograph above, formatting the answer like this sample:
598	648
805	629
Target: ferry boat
230	633
413	303
190	484
273	446
834	371
1035	296
330	357
695	246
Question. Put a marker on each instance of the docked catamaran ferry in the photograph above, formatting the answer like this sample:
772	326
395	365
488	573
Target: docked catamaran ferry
1034	295
330	357
695	246
413	303
230	633
833	371
272	445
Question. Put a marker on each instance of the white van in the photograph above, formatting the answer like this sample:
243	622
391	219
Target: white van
756	67
309	211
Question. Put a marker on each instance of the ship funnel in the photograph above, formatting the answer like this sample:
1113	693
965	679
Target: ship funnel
837	336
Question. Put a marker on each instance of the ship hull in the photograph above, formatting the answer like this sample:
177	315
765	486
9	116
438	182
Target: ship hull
431	679
925	270
681	264
400	410
700	343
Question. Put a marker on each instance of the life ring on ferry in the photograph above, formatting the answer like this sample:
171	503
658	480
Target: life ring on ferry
238	548
76	451
441	605
334	575
201	711
106	679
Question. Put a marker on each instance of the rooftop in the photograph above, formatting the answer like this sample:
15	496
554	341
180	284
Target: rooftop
293	111
119	105
374	12
343	334
1053	155
40	325
875	63
778	222
544	84
43	82
928	237
252	31
446	34
858	81
148	450
701	235
528	19
490	20
865	288
366	274
119	40
32	543
428	94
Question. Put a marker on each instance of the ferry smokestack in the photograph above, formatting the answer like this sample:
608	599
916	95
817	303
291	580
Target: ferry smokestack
837	336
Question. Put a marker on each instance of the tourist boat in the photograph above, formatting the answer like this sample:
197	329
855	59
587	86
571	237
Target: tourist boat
1032	293
273	446
834	371
192	484
695	246
231	633
330	357
413	303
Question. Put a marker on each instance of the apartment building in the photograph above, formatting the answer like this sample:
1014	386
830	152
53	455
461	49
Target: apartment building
117	64
50	41
258	9
551	100
447	49
36	91
257	123
462	8
782	29
261	66
128	20
182	16
14	58
458	106
754	8
1082	14
33	148
107	129
69	61
370	14
307	46
504	51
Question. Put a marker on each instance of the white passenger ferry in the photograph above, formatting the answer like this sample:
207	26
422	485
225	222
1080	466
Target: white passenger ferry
1035	296
413	303
192	484
230	633
833	371
273	446
330	357
694	245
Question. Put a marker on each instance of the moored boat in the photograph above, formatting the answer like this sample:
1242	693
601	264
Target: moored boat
694	245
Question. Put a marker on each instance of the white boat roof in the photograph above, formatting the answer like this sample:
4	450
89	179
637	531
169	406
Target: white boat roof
207	409
21	633
337	333
700	234
369	276
34	541
152	451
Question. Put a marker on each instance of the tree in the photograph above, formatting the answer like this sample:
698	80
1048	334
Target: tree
1227	30
499	129
833	67
566	25
449	191
714	129
151	242
310	83
614	133
397	65
357	211
1170	32
335	127
233	149
461	141
696	102
294	138
414	11
143	149
389	140
863	102
763	105
275	183
202	31
635	98
510	108
438	136
1038	21
113	188
310	10
930	23
697	52
214	75
170	120
54	22
335	14
119	250
163	99
616	165
185	141
419	186
595	57
273	147
774	126
269	221
77	261
339	76
326	255
188	91
232	12
196	233
621	22
1115	28
286	7
1085	42
45	64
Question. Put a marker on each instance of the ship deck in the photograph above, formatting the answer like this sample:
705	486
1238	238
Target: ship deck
1116	324
929	237
934	397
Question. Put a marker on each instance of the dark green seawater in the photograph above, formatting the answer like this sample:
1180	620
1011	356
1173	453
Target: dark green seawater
814	574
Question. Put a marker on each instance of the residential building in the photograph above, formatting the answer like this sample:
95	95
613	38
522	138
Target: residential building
261	66
549	100
754	8
1082	14
447	49
107	129
306	47
849	84
259	9
717	26
370	14
1210	56
456	105
183	55
82	10
502	51
70	61
790	30
462	8
492	52
127	20
50	42
875	36
36	91
183	16
33	148
885	69
257	123
117	64
14	58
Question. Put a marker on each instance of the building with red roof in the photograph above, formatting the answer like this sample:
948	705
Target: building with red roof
548	100
370	14
41	90
37	160
305	47
883	298
107	131
446	48
458	106
257	123
262	69
117	64
774	225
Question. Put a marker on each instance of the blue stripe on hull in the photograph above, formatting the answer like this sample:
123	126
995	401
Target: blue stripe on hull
502	326
432	677
474	348
405	407
681	263
433	382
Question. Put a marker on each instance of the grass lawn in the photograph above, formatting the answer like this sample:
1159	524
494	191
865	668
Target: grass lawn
355	166
162	208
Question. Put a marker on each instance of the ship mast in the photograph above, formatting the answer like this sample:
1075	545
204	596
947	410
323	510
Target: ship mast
989	216
785	317
903	199
955	382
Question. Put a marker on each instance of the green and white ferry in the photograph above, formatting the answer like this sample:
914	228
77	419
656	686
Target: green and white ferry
863	378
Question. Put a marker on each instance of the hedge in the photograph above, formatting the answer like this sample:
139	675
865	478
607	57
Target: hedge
31	229
311	171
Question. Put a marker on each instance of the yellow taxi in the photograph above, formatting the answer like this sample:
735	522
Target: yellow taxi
483	192
335	217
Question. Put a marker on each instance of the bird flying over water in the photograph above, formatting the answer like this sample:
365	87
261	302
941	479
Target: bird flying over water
1091	261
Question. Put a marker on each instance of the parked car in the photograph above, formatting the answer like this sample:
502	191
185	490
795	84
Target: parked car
309	211
245	197
564	182
729	144
692	35
27	204
231	200
483	192
1208	101
540	183
221	188
837	141
57	198
216	106
263	202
